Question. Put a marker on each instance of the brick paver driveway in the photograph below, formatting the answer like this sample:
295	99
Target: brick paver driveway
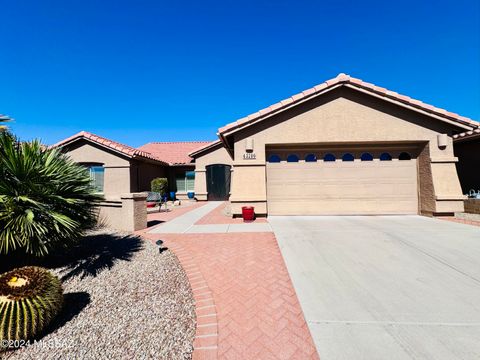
392	287
245	303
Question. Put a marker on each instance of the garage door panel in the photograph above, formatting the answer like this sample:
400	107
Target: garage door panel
342	188
340	207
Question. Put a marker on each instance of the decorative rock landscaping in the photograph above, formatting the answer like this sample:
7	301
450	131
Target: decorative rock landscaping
123	300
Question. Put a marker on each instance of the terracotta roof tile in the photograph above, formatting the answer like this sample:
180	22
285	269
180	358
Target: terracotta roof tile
210	144
124	149
467	135
175	153
344	79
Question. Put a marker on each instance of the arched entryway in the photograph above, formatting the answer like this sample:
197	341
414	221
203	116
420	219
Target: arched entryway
218	182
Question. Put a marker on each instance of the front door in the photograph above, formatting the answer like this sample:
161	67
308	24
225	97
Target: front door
218	182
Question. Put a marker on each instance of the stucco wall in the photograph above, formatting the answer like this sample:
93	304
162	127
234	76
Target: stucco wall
143	173
468	166
217	155
122	175
128	213
117	167
346	116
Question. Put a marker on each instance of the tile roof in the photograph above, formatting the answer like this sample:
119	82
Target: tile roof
467	135
175	153
204	147
126	150
343	79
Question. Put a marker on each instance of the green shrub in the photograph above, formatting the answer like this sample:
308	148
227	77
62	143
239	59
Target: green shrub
46	200
159	185
30	298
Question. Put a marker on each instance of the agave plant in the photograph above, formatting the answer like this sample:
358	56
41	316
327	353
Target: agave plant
30	298
46	200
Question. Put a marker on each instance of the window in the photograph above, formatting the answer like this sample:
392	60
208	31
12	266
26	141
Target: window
185	182
404	156
329	157
292	158
311	158
366	157
274	159
190	180
385	157
97	175
348	157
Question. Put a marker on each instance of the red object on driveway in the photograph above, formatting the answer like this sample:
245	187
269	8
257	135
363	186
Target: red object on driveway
151	204
248	213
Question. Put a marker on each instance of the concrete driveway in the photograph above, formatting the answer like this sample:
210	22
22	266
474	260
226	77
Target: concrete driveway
385	287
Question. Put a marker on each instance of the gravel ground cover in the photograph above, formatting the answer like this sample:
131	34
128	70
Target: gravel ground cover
123	300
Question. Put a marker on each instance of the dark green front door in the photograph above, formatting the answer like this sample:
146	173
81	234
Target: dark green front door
218	182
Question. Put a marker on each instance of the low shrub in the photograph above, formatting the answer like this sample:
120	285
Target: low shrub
159	185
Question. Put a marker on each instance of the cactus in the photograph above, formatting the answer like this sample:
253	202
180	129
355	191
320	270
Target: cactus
30	297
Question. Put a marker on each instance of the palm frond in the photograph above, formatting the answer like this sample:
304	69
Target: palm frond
47	200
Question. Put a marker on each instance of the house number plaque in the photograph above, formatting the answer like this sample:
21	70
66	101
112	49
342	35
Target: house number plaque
249	156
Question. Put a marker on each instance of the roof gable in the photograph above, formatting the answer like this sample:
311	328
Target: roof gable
357	84
117	147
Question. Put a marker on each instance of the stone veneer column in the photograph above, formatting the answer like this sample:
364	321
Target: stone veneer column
134	211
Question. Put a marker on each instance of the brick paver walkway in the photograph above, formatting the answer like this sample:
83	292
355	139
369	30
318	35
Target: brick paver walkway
246	305
217	216
461	221
173	212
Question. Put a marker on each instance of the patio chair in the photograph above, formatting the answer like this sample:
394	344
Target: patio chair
158	198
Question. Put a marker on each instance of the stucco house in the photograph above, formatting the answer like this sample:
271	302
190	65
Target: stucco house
117	169
343	147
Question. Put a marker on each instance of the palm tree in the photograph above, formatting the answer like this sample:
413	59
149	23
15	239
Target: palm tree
46	200
3	119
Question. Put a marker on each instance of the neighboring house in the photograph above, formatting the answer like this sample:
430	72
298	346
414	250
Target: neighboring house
118	169
342	147
467	149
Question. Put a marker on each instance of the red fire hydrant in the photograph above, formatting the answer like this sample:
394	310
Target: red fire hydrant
248	213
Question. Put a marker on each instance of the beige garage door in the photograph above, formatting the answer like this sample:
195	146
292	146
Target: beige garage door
342	188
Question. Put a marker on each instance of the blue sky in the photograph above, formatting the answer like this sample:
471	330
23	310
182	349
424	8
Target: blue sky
139	71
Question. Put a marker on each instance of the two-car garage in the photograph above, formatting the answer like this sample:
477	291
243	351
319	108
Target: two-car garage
344	147
336	181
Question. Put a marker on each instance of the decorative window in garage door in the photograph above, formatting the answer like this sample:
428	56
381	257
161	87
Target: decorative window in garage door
404	156
292	158
274	158
310	158
385	157
366	157
329	157
348	157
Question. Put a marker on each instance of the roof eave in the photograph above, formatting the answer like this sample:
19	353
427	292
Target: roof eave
206	148
354	84
113	149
